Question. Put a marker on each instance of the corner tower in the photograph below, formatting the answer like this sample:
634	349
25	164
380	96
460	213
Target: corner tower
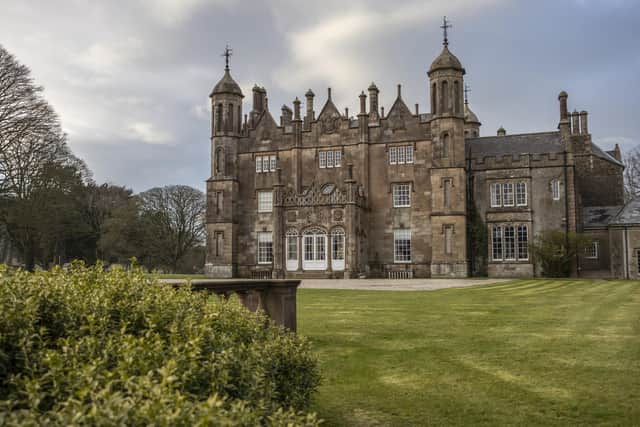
222	186
448	176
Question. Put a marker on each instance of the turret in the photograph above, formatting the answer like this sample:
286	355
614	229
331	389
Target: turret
471	122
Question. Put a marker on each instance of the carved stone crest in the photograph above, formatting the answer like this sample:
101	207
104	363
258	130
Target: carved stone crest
330	124
338	215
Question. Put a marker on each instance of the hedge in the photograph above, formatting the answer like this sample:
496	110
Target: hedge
88	347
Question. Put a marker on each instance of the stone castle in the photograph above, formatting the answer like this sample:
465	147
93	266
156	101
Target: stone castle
397	194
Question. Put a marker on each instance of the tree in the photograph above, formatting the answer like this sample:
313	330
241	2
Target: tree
173	220
555	250
39	177
632	174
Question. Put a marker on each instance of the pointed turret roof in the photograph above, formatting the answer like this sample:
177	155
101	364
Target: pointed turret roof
446	60
470	116
227	85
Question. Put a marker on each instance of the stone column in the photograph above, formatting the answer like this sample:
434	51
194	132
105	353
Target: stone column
350	244
278	229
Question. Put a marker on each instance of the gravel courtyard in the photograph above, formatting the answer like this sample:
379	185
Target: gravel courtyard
395	285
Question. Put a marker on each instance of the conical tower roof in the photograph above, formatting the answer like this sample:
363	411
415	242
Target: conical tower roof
470	116
446	60
227	85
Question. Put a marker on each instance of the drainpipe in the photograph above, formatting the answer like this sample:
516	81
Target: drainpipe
625	254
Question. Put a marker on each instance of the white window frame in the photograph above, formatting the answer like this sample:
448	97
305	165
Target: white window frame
258	164
508	196
496	195
337	158
401	249
273	163
322	159
401	155
393	155
593	251
265	201
401	194
522	245
521	193
265	247
497	241
314	249
409	153
329	159
509	240
337	249
555	189
292	255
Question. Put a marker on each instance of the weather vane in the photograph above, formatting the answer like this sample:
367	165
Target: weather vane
445	25
467	89
227	53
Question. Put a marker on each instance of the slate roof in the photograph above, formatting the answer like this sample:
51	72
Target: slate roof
446	60
525	143
515	145
599	216
629	215
599	152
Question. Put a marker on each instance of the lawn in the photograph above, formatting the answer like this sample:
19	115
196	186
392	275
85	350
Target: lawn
534	352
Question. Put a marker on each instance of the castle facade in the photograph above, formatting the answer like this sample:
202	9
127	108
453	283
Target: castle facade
398	194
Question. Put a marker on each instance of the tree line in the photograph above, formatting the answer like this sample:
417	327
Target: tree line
52	211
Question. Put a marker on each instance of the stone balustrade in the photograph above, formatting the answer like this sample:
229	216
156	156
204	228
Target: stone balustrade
277	298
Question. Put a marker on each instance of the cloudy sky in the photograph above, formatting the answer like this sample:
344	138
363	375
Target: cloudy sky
130	78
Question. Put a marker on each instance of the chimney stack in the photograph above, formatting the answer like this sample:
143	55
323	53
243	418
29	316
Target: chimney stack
310	113
575	127
583	123
373	101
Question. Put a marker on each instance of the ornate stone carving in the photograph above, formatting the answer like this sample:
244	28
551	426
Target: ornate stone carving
292	216
330	124
397	121
338	215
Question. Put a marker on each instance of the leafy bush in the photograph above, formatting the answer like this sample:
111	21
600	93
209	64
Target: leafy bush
555	251
87	347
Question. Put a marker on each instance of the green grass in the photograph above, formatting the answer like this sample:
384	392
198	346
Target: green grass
529	352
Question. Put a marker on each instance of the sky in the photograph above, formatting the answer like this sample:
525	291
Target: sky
130	79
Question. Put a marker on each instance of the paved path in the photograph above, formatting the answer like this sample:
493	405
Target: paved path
396	285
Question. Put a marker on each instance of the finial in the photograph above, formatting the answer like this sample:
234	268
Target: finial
399	90
445	25
467	89
227	53
329	93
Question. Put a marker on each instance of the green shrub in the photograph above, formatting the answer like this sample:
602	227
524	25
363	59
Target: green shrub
555	250
87	347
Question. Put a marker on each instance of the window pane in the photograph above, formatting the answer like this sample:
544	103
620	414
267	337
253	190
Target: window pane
392	155
308	248
320	248
523	242
521	194
592	250
402	245
507	194
509	242
323	159
337	245
329	159
338	159
265	248
555	189
258	164
496	242
409	153
447	193
401	157
496	195
292	248
272	166
401	195
265	201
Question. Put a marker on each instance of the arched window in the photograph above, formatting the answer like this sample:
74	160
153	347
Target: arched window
219	161
434	98
444	97
337	249
446	141
239	119
456	94
219	117
314	249
292	250
229	126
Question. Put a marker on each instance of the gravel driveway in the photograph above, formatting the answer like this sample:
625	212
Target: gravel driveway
396	285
